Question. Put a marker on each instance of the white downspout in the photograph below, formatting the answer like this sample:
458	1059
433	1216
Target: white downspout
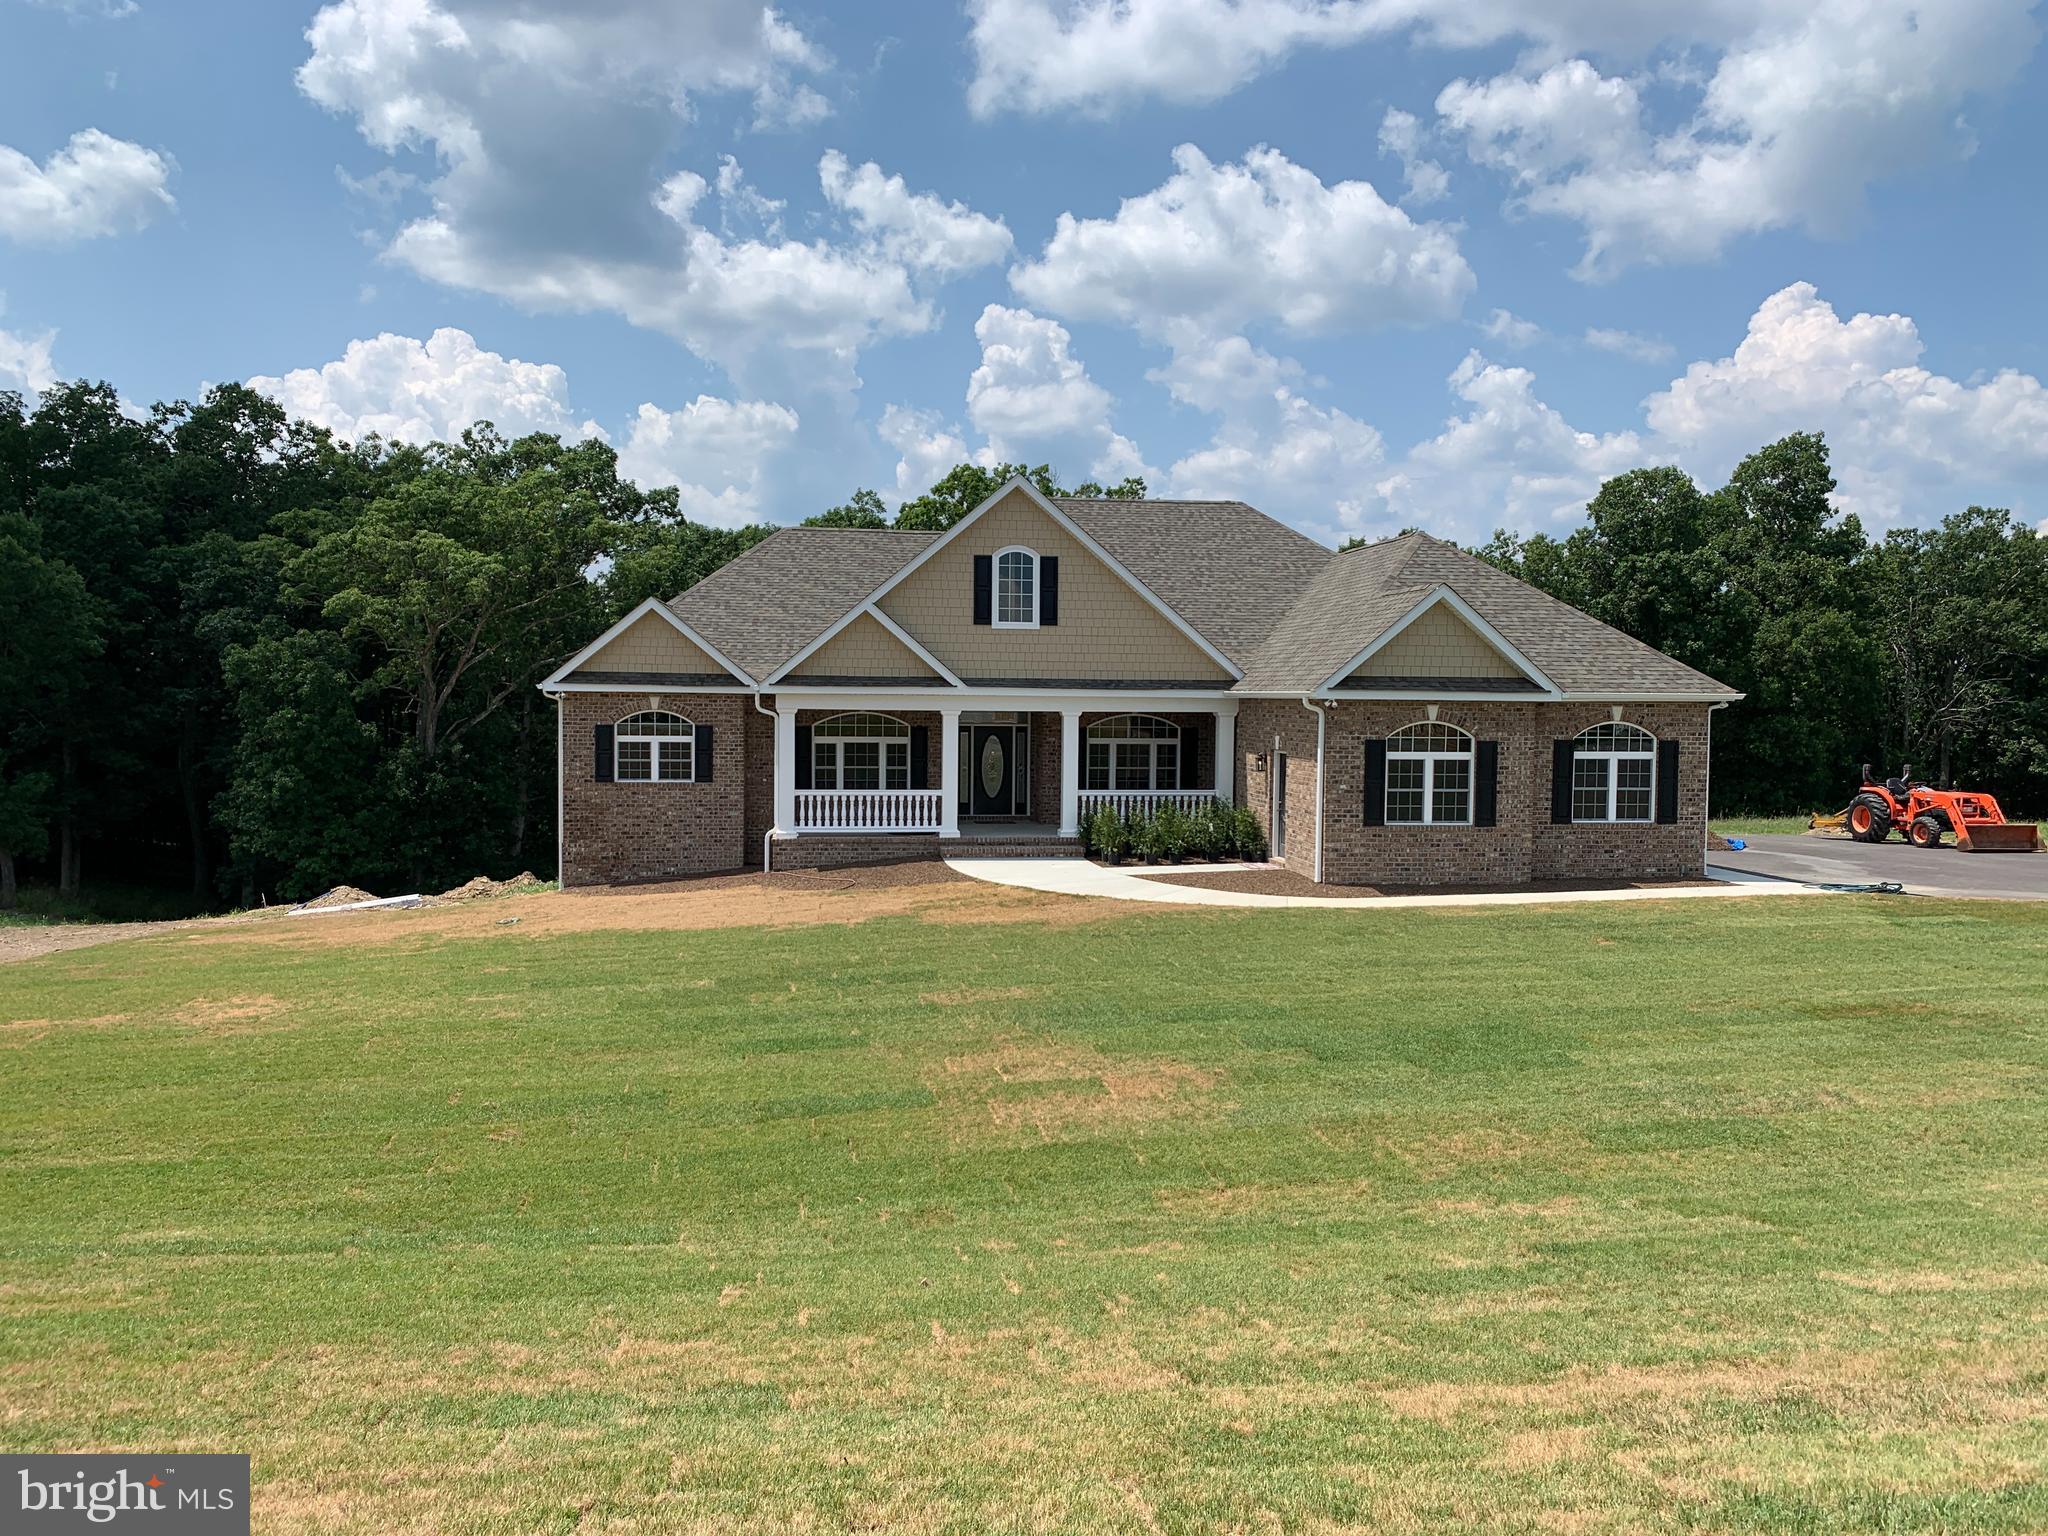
768	837
561	799
1707	788
1322	720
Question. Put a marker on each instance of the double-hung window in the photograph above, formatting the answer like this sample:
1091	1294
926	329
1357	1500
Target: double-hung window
1133	752
1429	776
654	747
860	751
1016	589
1614	773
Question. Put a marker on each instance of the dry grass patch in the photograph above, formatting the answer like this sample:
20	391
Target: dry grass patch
1058	1090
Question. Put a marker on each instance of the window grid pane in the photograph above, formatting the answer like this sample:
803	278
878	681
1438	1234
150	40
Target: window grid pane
1633	777
1133	765
824	765
1015	579
1451	789
861	764
1404	790
1098	764
899	764
672	761
636	760
1166	765
1589	788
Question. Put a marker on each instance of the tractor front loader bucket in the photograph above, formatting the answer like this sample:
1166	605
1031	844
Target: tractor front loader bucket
1998	837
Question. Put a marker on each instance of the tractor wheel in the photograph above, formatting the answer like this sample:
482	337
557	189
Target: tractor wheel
1925	832
1870	819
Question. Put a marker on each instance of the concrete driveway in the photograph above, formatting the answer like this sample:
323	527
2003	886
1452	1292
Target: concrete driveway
1922	871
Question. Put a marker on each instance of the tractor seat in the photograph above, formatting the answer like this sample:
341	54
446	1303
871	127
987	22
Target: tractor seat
1899	788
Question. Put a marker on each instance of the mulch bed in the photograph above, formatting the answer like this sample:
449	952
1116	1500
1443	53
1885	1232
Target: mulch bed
1283	882
860	877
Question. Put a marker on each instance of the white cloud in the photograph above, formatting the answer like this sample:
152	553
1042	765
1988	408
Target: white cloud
718	453
1798	117
1644	349
95	185
929	448
1401	137
26	363
1903	439
1511	330
1031	397
554	125
915	228
409	391
1038	56
1218	247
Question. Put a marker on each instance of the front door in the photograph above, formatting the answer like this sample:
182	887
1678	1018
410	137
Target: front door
989	768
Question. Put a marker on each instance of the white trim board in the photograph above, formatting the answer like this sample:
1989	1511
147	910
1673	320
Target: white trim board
1442	596
1044	504
652	605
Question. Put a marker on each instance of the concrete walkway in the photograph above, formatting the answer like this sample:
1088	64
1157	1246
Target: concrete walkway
1080	877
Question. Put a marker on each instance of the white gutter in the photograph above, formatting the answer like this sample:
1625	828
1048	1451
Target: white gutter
1322	721
1707	788
561	797
768	837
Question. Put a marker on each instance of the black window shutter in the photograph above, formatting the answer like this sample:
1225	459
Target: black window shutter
1667	783
984	589
1561	782
1191	771
1486	790
601	764
920	757
701	758
1048	589
803	757
1375	783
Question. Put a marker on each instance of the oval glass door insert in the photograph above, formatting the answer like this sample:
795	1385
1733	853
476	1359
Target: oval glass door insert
992	766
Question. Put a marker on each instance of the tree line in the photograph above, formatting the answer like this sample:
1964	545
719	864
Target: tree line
244	661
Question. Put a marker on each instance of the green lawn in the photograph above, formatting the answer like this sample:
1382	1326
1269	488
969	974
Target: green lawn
1738	825
1704	1216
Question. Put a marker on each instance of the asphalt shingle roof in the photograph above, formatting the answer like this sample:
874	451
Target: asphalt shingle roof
778	597
1281	606
1364	590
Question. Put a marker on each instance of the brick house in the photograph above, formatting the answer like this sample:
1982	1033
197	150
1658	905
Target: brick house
1400	713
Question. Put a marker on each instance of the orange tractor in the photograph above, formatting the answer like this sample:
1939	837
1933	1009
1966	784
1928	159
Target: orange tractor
1924	814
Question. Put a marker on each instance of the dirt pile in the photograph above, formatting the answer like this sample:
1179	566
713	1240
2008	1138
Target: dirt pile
340	896
1716	843
484	885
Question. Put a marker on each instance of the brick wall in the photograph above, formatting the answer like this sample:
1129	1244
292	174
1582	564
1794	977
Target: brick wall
1523	846
1603	850
1045	767
651	831
760	769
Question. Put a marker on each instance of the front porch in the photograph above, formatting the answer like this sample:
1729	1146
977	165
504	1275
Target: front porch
853	767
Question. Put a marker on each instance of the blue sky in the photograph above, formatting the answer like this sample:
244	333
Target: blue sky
1364	263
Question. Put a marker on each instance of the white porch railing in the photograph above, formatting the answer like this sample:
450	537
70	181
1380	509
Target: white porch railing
868	810
1146	800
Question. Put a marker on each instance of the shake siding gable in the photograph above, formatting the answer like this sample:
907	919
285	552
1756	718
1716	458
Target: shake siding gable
863	649
1106	630
651	644
1438	644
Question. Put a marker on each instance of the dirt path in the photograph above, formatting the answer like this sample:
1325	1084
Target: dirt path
928	891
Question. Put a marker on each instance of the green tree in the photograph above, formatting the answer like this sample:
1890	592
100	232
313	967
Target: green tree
863	509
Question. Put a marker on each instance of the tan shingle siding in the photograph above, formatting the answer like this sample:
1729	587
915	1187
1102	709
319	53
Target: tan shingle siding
864	649
652	644
1105	629
1439	644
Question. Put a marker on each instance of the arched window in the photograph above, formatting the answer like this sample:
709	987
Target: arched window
1133	752
1429	776
1016	588
860	751
654	746
1614	771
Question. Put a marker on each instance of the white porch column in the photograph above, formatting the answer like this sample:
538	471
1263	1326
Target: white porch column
1070	773
1226	755
949	773
785	772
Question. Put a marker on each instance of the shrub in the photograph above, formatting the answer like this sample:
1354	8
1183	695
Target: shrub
1209	831
1247	838
1108	835
1170	831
